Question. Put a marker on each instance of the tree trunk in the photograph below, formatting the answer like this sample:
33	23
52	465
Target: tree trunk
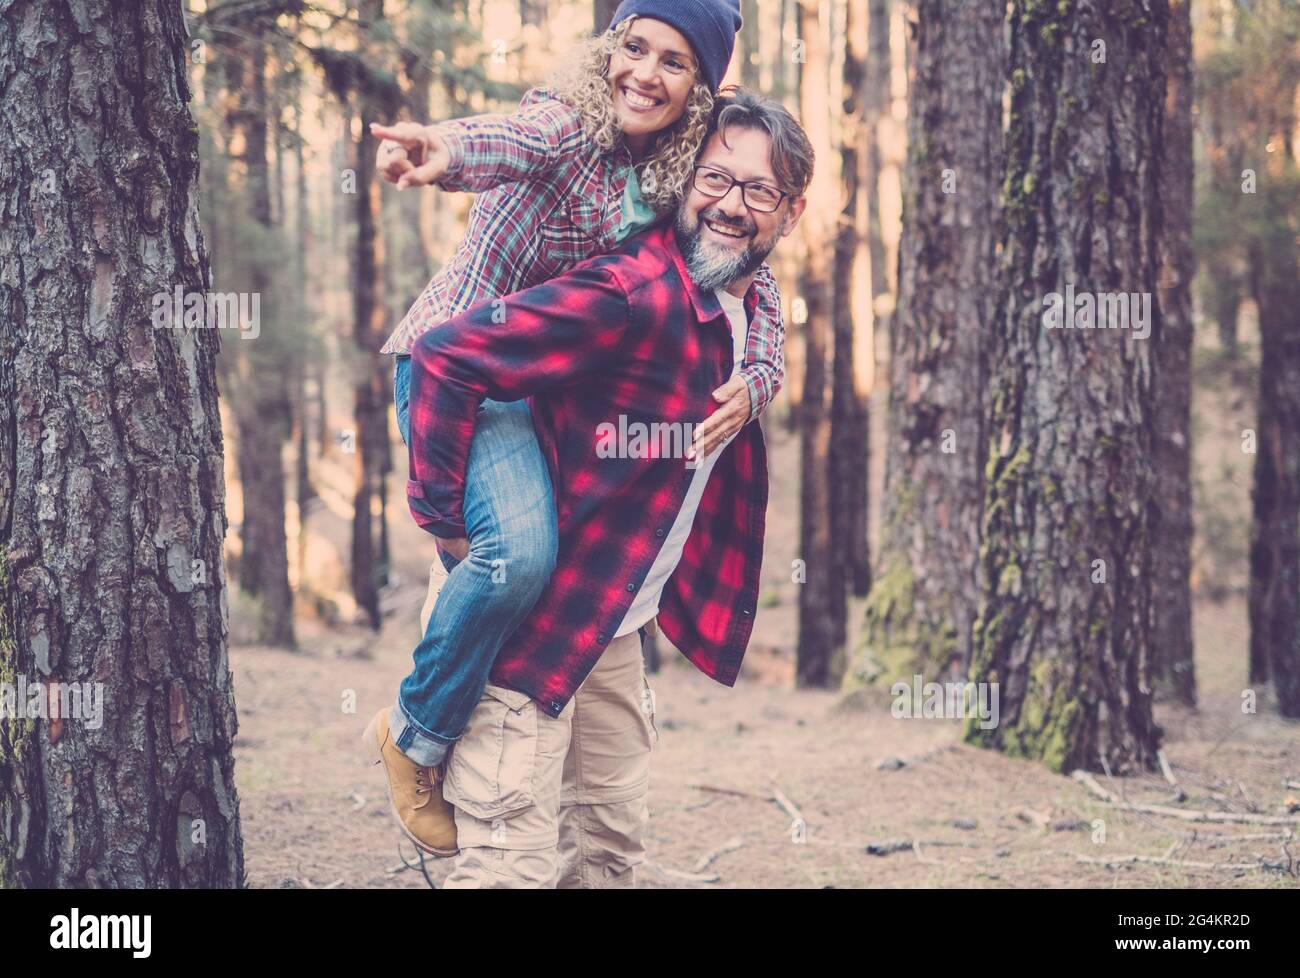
532	12
922	608
818	656
302	409
875	108
1275	287
849	447
370	391
1171	590
366	308
603	14
258	398
751	51
1065	624
111	494
1275	537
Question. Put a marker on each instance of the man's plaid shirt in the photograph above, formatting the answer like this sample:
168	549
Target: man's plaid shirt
550	200
625	334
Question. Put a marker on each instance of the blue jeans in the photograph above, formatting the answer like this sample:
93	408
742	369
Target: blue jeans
509	513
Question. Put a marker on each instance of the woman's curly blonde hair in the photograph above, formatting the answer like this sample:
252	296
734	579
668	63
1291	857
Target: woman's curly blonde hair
666	171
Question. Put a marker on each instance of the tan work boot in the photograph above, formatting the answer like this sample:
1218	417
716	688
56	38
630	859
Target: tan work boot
414	790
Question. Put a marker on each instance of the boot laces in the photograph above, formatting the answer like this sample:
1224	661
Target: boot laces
426	780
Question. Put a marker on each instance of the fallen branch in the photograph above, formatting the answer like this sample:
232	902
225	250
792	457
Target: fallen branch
891	846
1187	815
1249	837
1166	769
1162	861
729	791
1037	818
789	807
681	875
420	866
706	860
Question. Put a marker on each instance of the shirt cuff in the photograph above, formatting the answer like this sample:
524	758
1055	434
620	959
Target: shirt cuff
454	140
428	518
756	404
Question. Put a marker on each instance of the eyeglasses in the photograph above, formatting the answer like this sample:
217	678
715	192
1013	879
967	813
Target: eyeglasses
757	196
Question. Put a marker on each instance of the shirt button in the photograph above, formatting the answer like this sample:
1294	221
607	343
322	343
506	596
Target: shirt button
630	588
600	639
659	532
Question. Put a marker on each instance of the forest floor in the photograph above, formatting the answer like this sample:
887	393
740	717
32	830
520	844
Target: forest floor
939	812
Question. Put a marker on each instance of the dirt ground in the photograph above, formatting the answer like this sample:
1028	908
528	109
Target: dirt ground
885	802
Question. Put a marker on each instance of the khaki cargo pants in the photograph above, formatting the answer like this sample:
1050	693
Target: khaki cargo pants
547	801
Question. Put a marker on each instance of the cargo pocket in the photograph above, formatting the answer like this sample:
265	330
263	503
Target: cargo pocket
648	710
491	771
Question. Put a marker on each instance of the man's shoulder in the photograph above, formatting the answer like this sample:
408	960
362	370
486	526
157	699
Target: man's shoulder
643	261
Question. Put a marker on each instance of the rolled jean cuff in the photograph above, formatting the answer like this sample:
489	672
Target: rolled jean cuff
422	747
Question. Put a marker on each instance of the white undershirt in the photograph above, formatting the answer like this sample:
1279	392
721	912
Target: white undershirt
646	604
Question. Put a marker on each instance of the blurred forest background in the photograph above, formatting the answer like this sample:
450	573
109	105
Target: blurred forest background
1106	525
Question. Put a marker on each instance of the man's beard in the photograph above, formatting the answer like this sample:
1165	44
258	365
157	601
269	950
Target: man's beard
713	266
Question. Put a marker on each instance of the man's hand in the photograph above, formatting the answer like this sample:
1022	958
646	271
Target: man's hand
724	422
458	547
410	155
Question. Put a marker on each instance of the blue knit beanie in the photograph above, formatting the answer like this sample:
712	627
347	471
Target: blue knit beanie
710	26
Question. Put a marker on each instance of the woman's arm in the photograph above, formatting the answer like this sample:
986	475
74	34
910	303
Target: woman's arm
746	395
766	374
483	151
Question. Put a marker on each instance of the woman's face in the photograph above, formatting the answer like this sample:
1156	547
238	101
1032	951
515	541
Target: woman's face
650	74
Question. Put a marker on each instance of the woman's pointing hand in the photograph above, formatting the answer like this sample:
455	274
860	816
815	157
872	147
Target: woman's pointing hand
410	155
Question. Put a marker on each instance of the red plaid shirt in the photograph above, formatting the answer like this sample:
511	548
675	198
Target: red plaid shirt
550	200
622	334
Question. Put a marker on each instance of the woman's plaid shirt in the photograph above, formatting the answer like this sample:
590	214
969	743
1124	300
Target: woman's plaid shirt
620	339
550	200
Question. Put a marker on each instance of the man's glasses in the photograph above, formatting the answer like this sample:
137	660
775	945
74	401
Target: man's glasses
757	196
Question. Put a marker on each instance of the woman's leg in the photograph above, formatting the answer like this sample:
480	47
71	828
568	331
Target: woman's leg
510	521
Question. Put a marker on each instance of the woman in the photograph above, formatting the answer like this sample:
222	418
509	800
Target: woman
599	155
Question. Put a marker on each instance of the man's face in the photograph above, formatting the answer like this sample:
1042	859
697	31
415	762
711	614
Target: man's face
723	239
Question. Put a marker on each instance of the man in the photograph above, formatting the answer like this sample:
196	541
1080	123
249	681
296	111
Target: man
549	780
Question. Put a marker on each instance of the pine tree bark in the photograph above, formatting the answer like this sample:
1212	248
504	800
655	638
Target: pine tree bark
112	507
1065	624
1171	588
818	657
922	608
